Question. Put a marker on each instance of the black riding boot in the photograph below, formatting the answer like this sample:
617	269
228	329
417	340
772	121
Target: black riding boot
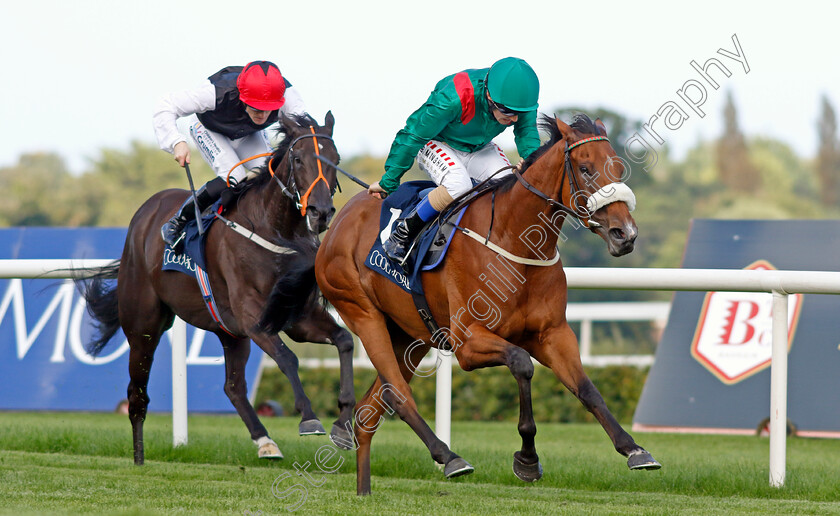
172	231
405	231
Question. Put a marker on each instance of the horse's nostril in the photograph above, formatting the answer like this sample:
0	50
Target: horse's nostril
618	234
321	215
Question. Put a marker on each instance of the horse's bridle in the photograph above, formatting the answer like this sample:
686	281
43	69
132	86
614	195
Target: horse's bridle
292	191
574	188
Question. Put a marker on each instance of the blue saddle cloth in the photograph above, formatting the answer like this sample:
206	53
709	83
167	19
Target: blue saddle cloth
192	250
428	251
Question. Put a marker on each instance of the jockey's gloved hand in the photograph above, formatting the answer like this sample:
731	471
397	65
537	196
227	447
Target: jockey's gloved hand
181	153
377	191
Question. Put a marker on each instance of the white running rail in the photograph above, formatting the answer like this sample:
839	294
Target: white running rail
779	283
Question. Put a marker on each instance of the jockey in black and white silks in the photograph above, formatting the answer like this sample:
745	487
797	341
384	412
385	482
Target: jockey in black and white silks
228	115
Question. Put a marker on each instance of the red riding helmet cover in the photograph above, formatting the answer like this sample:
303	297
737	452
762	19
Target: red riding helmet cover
261	86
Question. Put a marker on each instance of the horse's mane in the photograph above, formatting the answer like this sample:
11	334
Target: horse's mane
263	177
580	122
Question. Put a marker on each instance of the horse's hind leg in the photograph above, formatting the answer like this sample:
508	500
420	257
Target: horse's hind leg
391	392
236	388
143	325
288	363
318	326
486	349
139	366
558	350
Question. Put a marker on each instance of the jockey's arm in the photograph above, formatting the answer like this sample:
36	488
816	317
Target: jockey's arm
293	104
423	125
176	105
525	134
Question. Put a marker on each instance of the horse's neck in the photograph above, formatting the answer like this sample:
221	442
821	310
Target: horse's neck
524	218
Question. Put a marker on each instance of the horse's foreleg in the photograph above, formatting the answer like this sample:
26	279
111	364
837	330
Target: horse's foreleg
319	327
392	393
237	352
486	349
558	350
288	363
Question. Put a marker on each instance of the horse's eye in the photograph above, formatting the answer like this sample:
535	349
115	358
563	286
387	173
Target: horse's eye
297	160
584	169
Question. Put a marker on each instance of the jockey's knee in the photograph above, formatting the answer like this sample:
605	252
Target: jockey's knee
441	197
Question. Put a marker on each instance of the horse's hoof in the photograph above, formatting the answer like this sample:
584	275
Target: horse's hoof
642	460
457	467
270	450
341	437
526	472
311	427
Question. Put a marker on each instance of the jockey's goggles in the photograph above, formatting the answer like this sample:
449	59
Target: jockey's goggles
502	109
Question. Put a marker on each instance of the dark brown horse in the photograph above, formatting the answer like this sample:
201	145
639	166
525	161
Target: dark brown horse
500	311
286	205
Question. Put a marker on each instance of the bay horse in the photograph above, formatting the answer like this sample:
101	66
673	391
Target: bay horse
253	301
502	311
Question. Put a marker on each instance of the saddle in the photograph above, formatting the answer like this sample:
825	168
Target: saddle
428	249
188	256
426	252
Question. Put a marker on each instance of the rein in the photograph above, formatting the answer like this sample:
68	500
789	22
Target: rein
246	160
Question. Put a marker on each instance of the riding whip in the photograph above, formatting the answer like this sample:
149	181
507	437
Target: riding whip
195	199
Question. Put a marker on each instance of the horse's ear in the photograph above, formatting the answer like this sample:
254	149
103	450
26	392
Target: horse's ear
565	129
602	129
329	123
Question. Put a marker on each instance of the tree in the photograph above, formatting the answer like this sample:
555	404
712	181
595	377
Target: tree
40	191
121	181
735	169
828	155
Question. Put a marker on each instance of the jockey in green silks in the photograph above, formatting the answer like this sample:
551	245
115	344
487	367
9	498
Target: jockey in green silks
451	136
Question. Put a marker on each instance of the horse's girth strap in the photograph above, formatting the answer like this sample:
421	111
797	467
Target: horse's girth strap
429	320
512	257
209	301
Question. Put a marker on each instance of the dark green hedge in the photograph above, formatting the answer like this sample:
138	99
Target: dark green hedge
484	395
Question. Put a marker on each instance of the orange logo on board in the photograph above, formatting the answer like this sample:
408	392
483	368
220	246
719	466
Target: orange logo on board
733	339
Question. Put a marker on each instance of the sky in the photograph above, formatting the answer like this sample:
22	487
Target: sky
85	75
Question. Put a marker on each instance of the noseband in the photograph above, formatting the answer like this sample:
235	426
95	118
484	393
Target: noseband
292	191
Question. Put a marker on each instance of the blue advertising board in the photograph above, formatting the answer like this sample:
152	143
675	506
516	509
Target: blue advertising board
712	367
44	326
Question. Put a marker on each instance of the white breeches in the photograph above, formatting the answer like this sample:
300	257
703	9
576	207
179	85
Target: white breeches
454	169
222	153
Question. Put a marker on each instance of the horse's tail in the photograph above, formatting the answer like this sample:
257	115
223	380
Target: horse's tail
293	290
102	302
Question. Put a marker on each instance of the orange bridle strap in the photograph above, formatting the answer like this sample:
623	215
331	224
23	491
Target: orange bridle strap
305	198
264	154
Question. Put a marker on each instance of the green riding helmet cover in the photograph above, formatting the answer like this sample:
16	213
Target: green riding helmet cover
512	83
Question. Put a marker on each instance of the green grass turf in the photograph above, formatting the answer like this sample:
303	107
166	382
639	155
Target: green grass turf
80	463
